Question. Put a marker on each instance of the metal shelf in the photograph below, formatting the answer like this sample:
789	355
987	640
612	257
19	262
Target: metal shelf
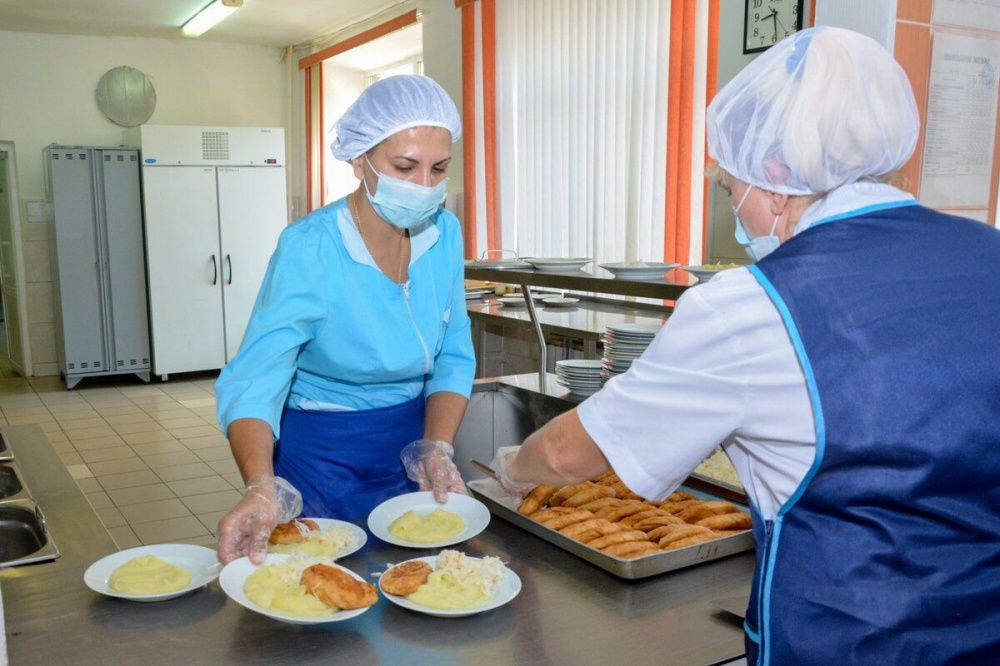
582	281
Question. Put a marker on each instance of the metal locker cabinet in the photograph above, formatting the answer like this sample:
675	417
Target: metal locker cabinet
81	336
125	261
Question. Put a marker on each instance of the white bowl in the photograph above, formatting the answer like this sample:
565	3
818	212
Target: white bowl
360	536
705	274
203	563
505	591
235	575
472	511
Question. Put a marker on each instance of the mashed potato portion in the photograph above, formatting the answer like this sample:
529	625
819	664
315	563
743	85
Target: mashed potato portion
459	582
717	466
276	587
438	525
148	574
719	267
327	543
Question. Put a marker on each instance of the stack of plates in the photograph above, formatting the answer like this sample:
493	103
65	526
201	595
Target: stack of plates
623	343
581	377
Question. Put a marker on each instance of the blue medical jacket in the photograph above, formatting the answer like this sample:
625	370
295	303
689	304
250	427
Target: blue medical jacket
329	327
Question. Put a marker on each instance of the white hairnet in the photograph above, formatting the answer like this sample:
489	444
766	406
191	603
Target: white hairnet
822	108
391	105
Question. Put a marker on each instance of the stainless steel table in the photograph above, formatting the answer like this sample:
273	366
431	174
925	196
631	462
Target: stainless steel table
568	612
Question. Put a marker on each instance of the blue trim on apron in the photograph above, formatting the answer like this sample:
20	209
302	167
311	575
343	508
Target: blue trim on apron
865	210
347	463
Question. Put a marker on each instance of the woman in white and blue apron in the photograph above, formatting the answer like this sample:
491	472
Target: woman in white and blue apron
852	374
359	343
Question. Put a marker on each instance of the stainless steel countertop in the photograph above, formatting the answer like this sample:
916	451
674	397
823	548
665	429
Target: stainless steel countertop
568	611
586	319
590	279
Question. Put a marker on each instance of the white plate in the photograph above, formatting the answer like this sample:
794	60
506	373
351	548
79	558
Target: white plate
702	273
507	589
497	263
472	511
641	330
558	264
235	575
581	363
648	270
559	302
203	563
360	536
512	301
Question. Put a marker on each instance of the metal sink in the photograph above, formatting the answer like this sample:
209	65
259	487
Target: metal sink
10	482
24	537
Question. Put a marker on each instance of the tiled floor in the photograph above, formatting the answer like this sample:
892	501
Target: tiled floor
149	457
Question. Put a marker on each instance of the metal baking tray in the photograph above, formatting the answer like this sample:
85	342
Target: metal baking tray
504	506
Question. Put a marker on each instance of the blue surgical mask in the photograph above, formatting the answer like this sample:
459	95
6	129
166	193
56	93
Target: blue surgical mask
403	204
756	248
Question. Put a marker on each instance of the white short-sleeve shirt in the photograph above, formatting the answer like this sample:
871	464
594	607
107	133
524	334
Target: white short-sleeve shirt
721	371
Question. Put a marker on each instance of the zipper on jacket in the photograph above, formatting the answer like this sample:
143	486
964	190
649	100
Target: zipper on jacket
413	320
768	533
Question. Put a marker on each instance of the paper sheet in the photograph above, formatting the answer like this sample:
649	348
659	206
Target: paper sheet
978	14
961	122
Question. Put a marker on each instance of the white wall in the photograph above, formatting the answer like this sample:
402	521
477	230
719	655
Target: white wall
47	87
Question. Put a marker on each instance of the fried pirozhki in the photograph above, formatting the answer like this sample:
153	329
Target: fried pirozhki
683	532
588	495
651	523
618	537
702	510
566	492
542	514
630	549
405	578
536	499
601	504
590	529
739	520
690	541
336	588
626	511
566	519
293	531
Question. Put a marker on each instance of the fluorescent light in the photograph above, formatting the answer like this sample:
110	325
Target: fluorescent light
209	16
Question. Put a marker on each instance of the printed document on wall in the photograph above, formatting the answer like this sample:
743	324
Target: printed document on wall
961	122
979	14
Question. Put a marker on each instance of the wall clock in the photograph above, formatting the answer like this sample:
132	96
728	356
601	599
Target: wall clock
767	22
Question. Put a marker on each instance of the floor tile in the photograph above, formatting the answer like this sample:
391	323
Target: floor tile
147	437
97	443
125	410
99	500
63	446
235	480
79	471
173	458
224	466
122	419
110	453
137	494
124	537
57	436
184	422
219	501
207	540
145	512
111	517
142	426
70	458
89	433
179	472
201	486
50	427
128	480
169	412
88	485
198	402
91	422
205	442
215	453
211	520
152	448
196	431
29	420
119	466
159	531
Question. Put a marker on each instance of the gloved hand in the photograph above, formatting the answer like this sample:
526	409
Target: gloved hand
267	501
501	465
429	463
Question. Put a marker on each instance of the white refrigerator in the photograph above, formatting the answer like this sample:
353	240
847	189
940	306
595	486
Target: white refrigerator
214	201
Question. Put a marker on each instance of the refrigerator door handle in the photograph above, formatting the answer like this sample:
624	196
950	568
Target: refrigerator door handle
229	264
215	271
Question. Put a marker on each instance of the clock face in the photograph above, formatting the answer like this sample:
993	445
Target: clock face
767	22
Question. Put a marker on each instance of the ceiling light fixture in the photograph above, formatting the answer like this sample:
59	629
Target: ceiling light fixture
208	16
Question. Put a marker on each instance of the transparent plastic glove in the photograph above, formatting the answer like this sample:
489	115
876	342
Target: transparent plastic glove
501	465
429	463
267	501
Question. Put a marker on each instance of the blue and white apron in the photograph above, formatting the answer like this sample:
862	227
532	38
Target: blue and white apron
889	550
347	463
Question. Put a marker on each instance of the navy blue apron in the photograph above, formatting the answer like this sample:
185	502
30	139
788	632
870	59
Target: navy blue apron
889	550
347	463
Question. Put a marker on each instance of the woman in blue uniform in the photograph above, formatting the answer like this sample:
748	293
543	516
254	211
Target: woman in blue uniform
852	374
359	343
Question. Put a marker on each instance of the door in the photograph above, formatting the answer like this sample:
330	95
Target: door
252	213
126	270
182	254
8	275
76	269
